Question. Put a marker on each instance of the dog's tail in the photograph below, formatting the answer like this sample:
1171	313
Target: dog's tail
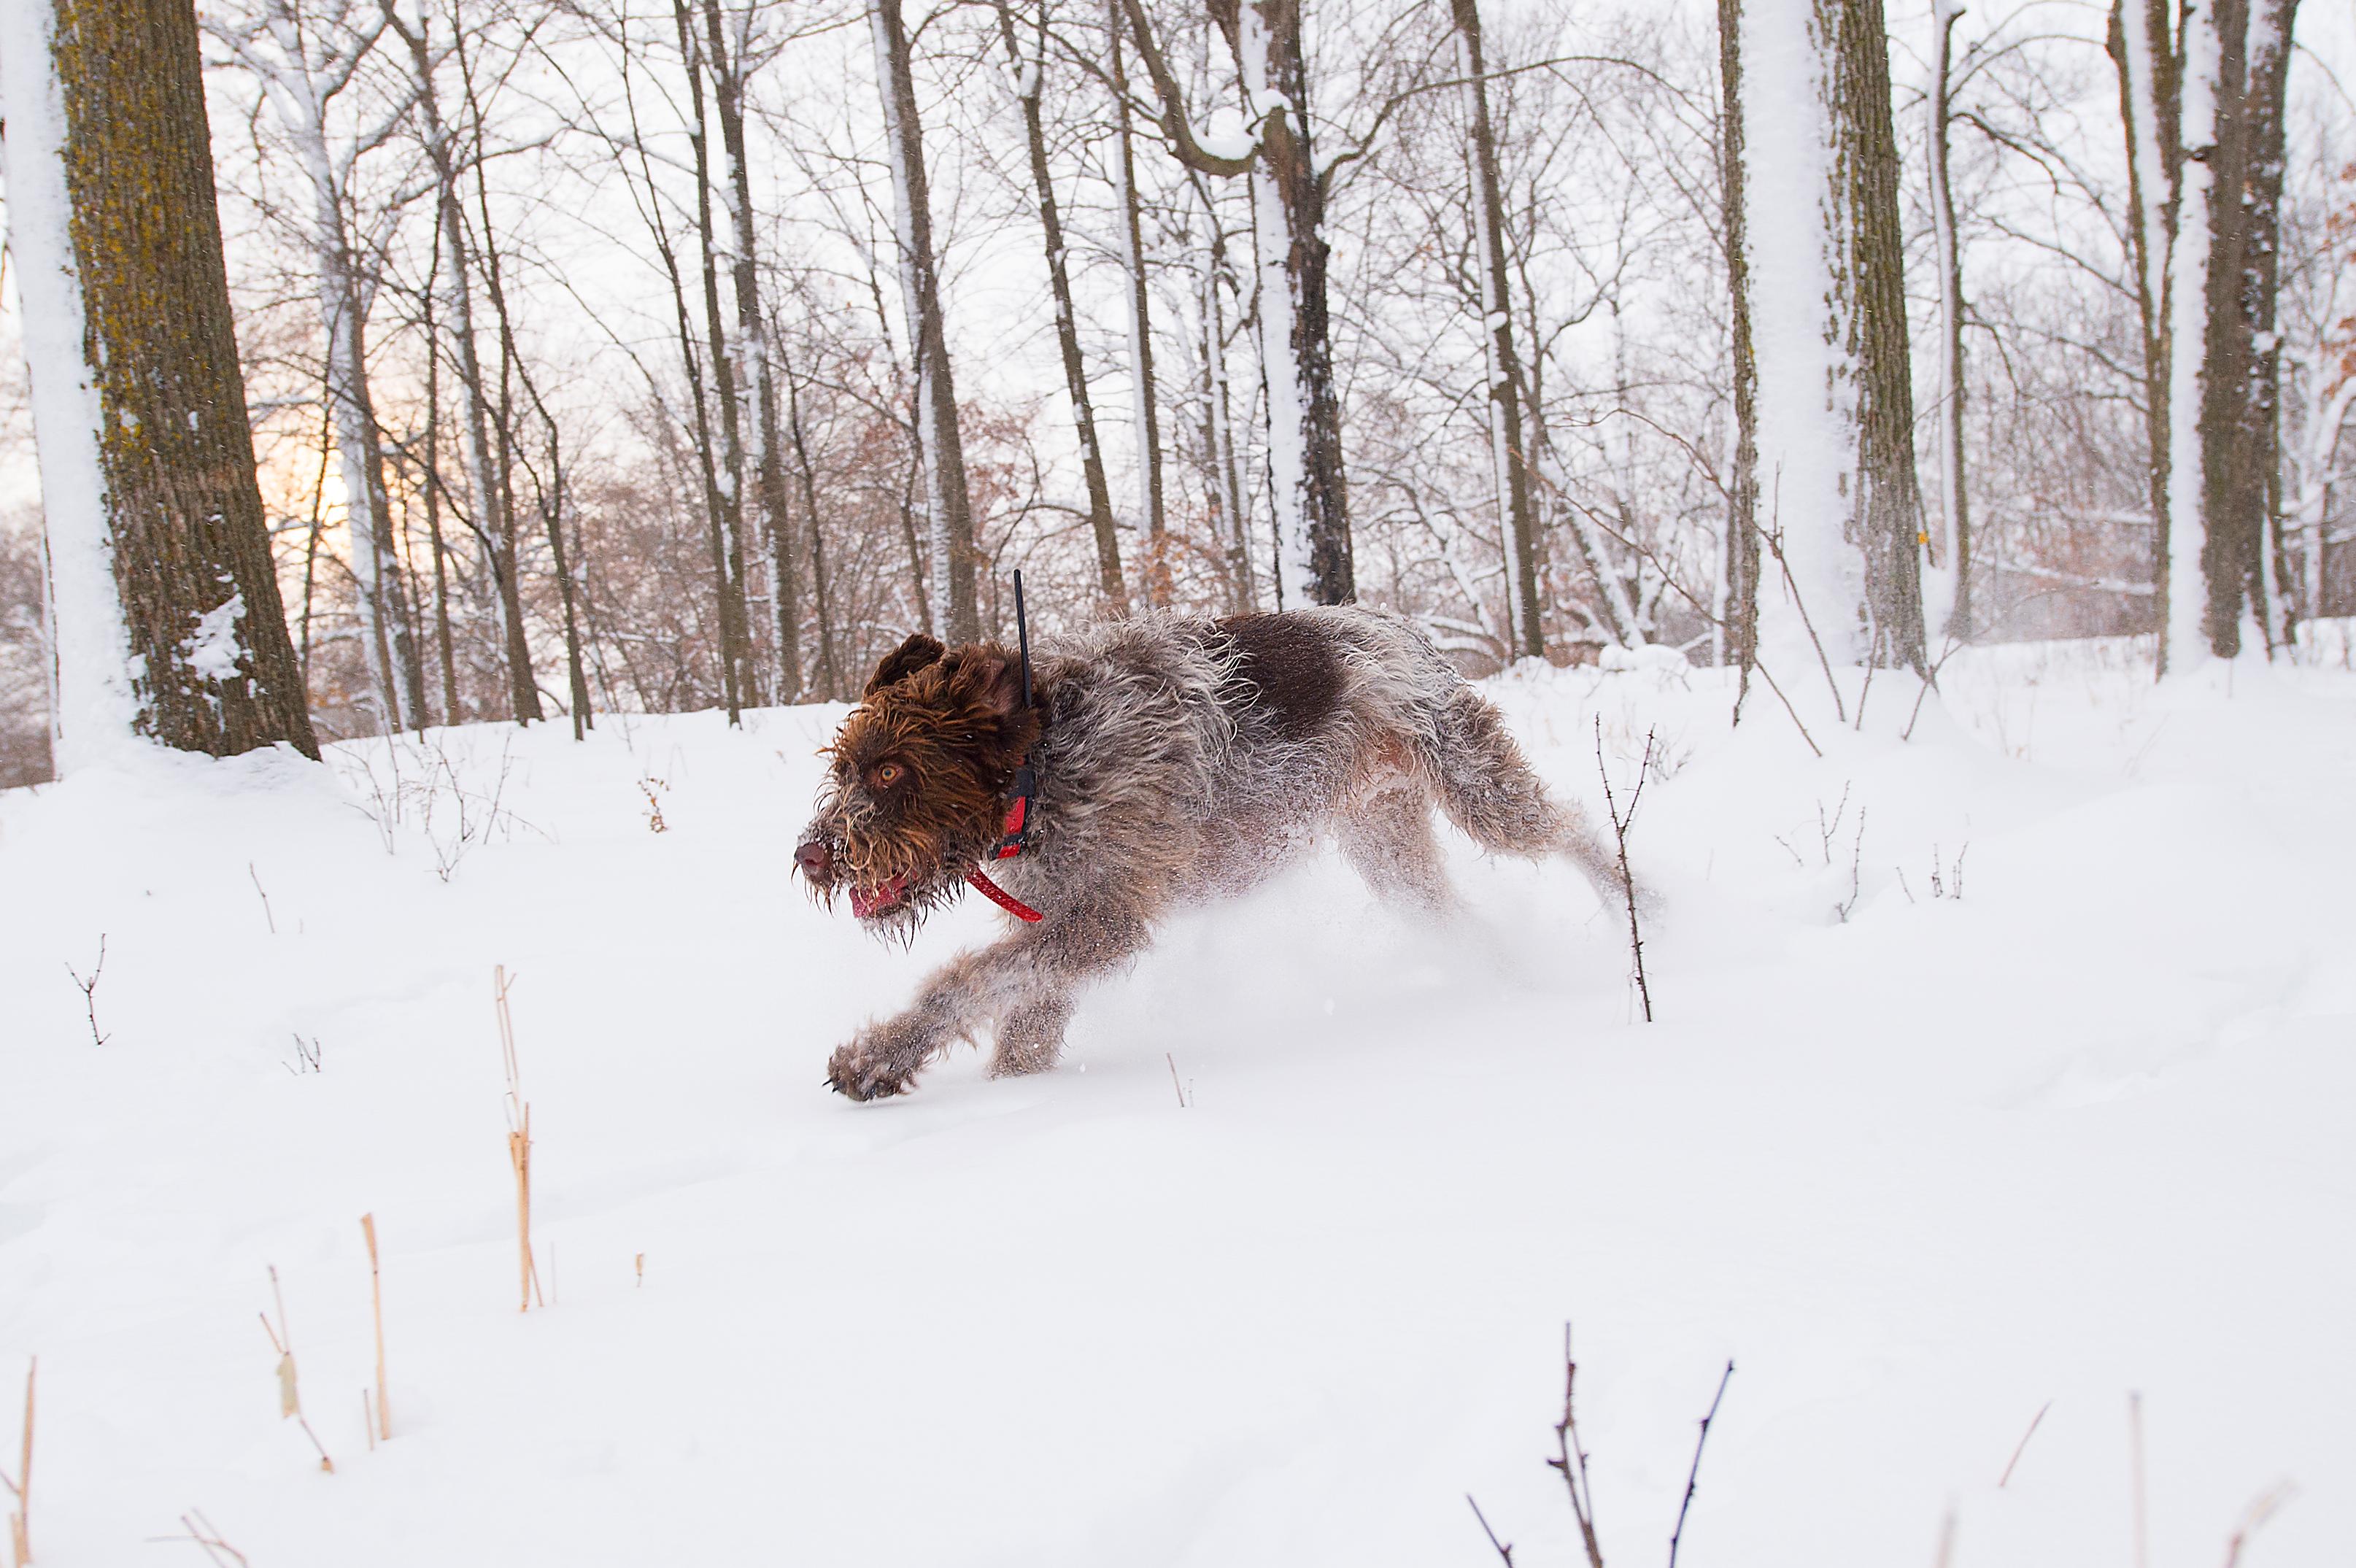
1489	791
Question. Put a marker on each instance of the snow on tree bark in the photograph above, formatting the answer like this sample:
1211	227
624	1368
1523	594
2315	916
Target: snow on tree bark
2230	495
2268	571
2187	638
1811	579
167	616
1304	411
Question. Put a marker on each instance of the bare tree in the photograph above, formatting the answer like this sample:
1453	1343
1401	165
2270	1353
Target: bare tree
165	597
950	508
1524	615
494	517
1304	429
1029	71
1886	519
1951	584
1145	410
303	63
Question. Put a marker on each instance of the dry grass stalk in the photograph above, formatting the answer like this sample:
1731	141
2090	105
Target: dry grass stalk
519	1146
2134	1465
382	1426
2262	1508
290	1398
20	1522
642	1270
2022	1446
200	1530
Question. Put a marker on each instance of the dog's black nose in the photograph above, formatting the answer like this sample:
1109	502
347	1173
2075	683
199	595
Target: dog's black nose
815	859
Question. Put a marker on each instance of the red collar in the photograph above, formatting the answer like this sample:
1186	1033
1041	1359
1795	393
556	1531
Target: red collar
1013	839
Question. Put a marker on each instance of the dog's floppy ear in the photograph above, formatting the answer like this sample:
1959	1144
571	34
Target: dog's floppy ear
988	678
904	660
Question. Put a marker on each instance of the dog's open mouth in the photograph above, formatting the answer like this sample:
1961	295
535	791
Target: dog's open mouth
884	896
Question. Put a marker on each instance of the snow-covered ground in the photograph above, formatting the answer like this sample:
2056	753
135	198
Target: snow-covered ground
1921	1171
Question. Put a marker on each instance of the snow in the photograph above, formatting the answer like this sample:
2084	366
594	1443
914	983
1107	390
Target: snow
96	702
213	648
1918	1170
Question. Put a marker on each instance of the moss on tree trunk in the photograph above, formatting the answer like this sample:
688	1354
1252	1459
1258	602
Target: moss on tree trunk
183	505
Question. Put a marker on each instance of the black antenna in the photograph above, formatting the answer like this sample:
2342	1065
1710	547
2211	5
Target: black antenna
1023	636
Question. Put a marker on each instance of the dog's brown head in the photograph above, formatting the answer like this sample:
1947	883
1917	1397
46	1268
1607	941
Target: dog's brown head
915	797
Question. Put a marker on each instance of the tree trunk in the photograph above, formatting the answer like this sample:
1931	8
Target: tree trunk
1147	416
1739	598
1886	514
1949	587
2195	398
1511	467
2142	47
431	470
1028	75
949	523
1230	525
2268	573
1305	472
822	600
493	458
1306	481
2231	500
730	73
165	603
735	617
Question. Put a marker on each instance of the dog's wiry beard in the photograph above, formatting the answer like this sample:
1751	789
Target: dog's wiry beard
893	875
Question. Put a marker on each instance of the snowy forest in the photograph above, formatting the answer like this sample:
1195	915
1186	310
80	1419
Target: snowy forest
604	358
1676	889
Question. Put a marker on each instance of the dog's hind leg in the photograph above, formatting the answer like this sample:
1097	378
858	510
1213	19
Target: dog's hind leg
1387	839
1489	791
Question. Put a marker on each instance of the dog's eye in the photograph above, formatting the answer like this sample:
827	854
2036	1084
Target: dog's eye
886	774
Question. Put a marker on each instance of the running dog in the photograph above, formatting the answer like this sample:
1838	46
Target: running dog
1159	761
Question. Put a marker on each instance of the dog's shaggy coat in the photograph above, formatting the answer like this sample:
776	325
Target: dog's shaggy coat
1178	759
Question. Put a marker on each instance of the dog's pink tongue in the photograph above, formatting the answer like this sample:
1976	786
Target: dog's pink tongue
865	901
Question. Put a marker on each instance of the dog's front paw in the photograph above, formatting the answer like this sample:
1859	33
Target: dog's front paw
879	1062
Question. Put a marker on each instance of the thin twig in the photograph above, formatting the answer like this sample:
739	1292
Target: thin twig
1174	1079
1620	825
1570	1457
265	898
1694	1474
1504	1549
2022	1446
90	990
